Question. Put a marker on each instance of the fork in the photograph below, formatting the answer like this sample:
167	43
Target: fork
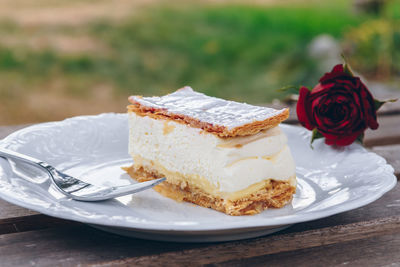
75	188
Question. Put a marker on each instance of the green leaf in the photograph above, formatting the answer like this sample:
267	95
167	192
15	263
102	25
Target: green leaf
346	67
315	135
379	103
360	138
289	89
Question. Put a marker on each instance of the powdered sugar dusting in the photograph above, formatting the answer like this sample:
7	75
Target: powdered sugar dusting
216	111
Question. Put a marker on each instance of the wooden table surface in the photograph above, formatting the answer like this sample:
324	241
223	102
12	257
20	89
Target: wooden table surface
368	236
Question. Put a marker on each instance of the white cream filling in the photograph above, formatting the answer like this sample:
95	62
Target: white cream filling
231	164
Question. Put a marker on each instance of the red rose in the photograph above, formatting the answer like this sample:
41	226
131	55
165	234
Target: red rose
340	107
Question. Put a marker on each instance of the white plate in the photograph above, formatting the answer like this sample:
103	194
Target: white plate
94	148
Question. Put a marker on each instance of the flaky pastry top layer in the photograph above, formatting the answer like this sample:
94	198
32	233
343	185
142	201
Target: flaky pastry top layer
217	116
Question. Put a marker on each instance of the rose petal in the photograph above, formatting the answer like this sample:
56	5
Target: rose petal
336	72
347	140
369	107
338	68
341	140
301	108
318	88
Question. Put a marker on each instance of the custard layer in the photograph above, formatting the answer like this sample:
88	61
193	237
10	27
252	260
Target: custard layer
196	181
271	194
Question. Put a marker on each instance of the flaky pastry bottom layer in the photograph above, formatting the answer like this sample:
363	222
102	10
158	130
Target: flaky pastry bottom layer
275	194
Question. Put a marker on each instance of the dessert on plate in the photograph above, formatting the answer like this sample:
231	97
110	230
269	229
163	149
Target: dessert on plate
224	155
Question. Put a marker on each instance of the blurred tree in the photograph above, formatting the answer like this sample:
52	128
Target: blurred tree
370	6
372	48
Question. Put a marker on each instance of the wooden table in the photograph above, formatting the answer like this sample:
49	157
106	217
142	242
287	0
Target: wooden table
368	236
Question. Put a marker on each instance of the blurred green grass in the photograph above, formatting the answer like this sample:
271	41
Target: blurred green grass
238	52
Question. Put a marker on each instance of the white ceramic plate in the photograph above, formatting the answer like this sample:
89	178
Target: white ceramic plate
94	148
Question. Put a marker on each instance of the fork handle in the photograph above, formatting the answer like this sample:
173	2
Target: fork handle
30	160
53	173
15	155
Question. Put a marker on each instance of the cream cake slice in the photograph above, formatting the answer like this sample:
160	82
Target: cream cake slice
224	155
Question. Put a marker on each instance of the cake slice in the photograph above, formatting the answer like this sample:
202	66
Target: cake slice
224	155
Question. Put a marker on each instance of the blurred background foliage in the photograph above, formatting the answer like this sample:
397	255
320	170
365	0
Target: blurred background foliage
65	58
374	48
